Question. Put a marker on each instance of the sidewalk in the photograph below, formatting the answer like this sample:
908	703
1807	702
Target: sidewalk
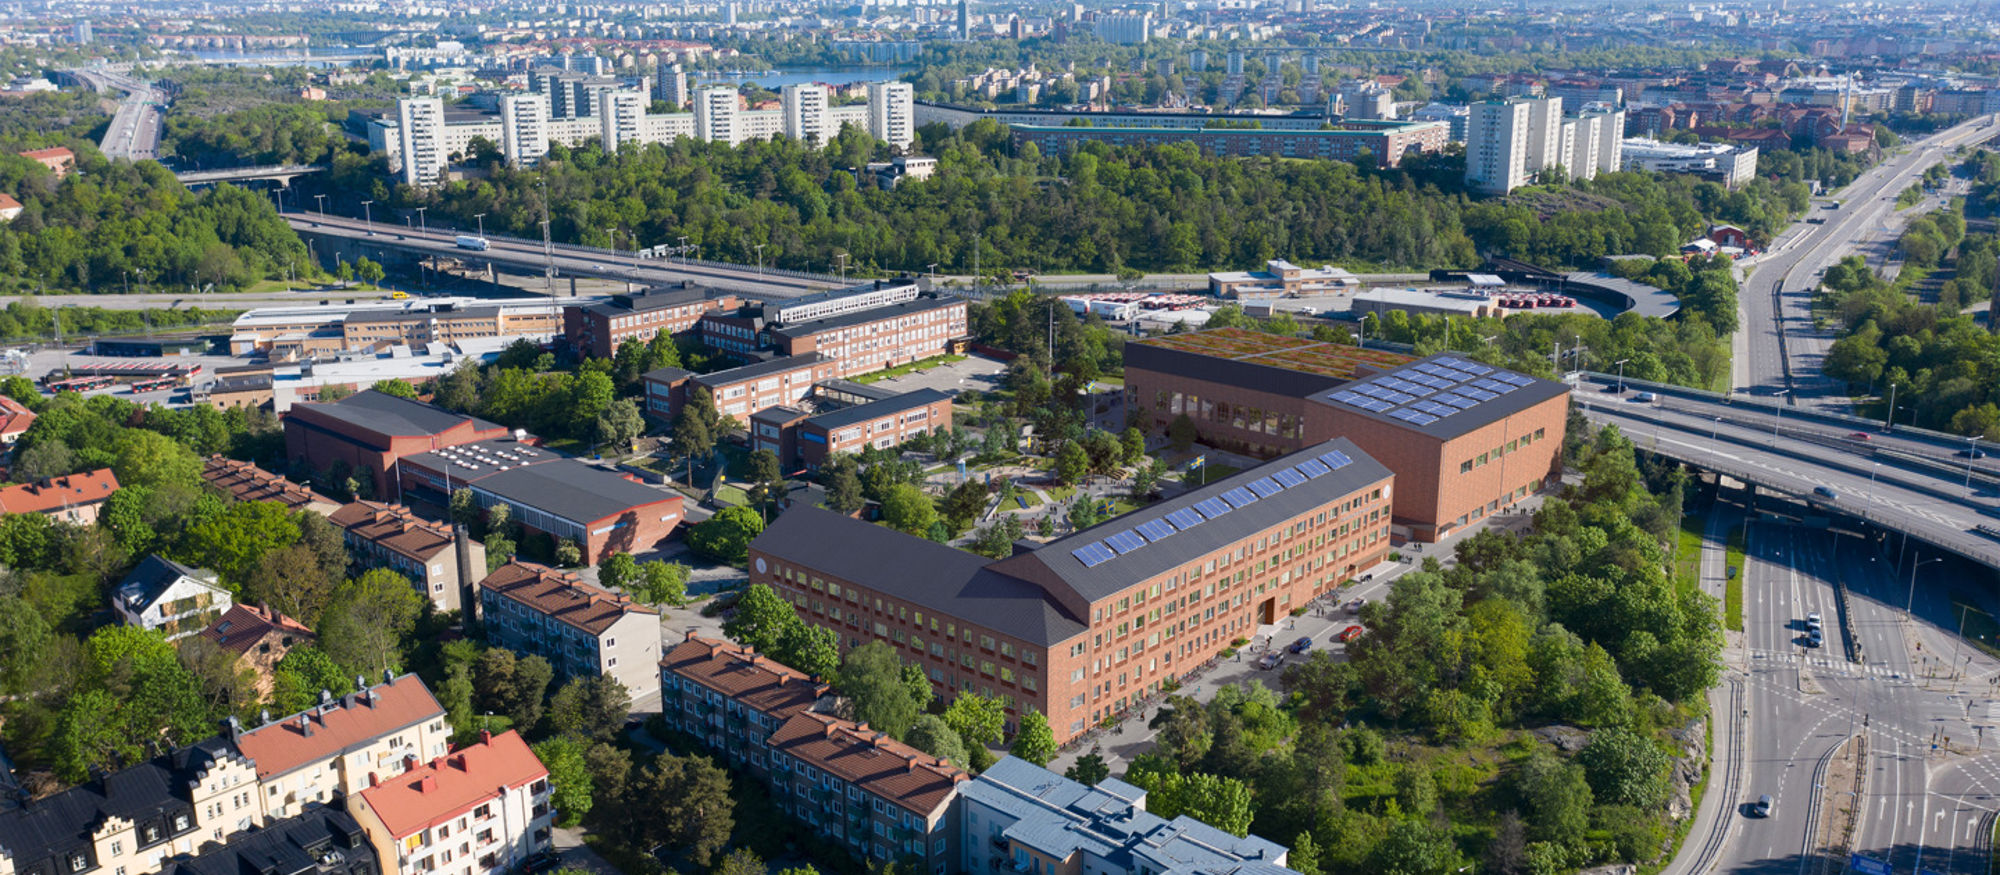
568	844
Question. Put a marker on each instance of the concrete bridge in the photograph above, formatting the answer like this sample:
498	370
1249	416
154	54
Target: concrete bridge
282	174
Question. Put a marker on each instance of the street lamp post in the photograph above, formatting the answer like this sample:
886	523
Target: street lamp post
1778	418
843	267
368	216
760	259
423	227
684	249
322	204
1889	423
1621	375
481	219
1910	601
1971	448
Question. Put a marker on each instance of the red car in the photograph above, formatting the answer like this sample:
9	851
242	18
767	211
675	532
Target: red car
1858	436
1350	633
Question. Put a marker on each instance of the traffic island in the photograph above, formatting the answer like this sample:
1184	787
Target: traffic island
1836	804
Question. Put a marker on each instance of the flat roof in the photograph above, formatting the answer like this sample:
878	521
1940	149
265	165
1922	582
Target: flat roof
758	369
1442	396
393	416
1111	556
863	317
1271	362
1373	130
864	412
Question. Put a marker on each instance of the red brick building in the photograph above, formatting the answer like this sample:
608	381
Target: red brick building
739	393
243	481
598	329
881	424
1465	439
72	498
857	342
599	509
1084	627
369	431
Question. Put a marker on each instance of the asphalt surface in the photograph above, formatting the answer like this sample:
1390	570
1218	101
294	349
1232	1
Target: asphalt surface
134	133
1777	296
568	260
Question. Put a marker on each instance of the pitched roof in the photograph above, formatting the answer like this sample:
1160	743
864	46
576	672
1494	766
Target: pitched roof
243	626
453	783
573	490
393	527
562	595
742	674
51	152
320	732
15	417
870	760
1185	545
390	415
45	829
294	846
917	570
153	575
247	482
56	493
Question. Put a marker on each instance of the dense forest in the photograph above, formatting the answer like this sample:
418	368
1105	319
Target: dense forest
51	118
1098	210
115	226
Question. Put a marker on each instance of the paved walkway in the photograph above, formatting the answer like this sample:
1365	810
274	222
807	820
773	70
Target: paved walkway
575	854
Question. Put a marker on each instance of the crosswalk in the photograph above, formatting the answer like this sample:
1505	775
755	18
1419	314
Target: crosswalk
1835	665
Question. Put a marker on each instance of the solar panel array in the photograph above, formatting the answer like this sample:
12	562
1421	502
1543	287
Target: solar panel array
1154	531
1426	392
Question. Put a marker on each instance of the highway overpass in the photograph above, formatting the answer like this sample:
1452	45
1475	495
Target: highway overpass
282	174
352	238
1906	481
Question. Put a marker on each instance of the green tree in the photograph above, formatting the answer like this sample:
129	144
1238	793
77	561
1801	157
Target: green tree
1133	444
619	423
590	707
1557	797
1182	433
871	677
696	426
236	540
662	583
24	637
1625	768
812	649
398	388
930	734
979	720
684	803
909	509
1223	803
1035	742
761	619
146	458
617	571
302	674
726	536
1088	769
569	778
366	620
1072	463
843	487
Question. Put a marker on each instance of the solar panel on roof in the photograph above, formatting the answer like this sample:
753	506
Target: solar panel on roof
1494	386
1213	507
1185	518
1093	554
1125	541
1431	380
1313	468
1473	368
1455	376
1413	417
1335	459
1456	400
1239	498
1401	385
1476	394
1377	405
1370	389
1345	397
1398	398
1265	487
1435	409
1289	477
1511	377
1156	530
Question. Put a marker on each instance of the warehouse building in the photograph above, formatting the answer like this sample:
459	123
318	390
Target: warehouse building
1084	627
369	431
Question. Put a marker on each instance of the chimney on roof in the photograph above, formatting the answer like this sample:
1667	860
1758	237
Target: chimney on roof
305	725
325	697
263	716
374	779
879	741
234	727
428	784
388	676
485	736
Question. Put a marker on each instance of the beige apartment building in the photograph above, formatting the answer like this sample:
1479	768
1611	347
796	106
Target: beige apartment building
332	751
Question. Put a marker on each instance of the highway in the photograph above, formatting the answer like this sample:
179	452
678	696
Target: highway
134	133
1776	348
528	256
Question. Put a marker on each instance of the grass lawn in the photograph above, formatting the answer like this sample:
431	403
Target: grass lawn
731	494
1207	474
1732	594
899	370
1031	498
1060	494
1687	555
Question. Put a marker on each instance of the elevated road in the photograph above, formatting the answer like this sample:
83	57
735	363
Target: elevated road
1777	348
134	133
283	174
567	260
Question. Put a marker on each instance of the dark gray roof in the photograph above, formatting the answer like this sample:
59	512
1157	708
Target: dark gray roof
873	409
877	314
492	311
918	571
320	841
1644	299
40	834
391	415
1231	372
849	387
667	375
753	371
152	577
570	489
657	297
1183	547
241	383
1526	392
780	414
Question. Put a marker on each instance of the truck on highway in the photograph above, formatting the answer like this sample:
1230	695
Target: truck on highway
466	241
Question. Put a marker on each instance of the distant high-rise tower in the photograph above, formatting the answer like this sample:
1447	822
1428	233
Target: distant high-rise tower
671	86
805	113
81	32
964	20
421	123
729	13
524	128
1496	146
1198	61
715	116
892	113
1235	67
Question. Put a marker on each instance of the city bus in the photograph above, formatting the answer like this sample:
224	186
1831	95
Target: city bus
154	385
75	384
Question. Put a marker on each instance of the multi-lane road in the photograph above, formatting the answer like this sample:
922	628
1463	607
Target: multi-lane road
1777	348
529	256
134	133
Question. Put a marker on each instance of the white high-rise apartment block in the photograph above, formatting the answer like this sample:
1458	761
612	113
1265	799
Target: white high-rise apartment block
715	116
1545	148
524	128
671	86
805	114
621	117
422	123
1586	133
892	113
1610	140
1496	146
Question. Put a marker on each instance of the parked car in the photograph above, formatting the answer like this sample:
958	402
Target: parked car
1857	436
1270	660
1302	645
1350	633
1354	606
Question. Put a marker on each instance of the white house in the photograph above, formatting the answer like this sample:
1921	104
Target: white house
164	595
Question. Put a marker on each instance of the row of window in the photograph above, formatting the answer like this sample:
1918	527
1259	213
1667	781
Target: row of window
1507	448
1241	416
